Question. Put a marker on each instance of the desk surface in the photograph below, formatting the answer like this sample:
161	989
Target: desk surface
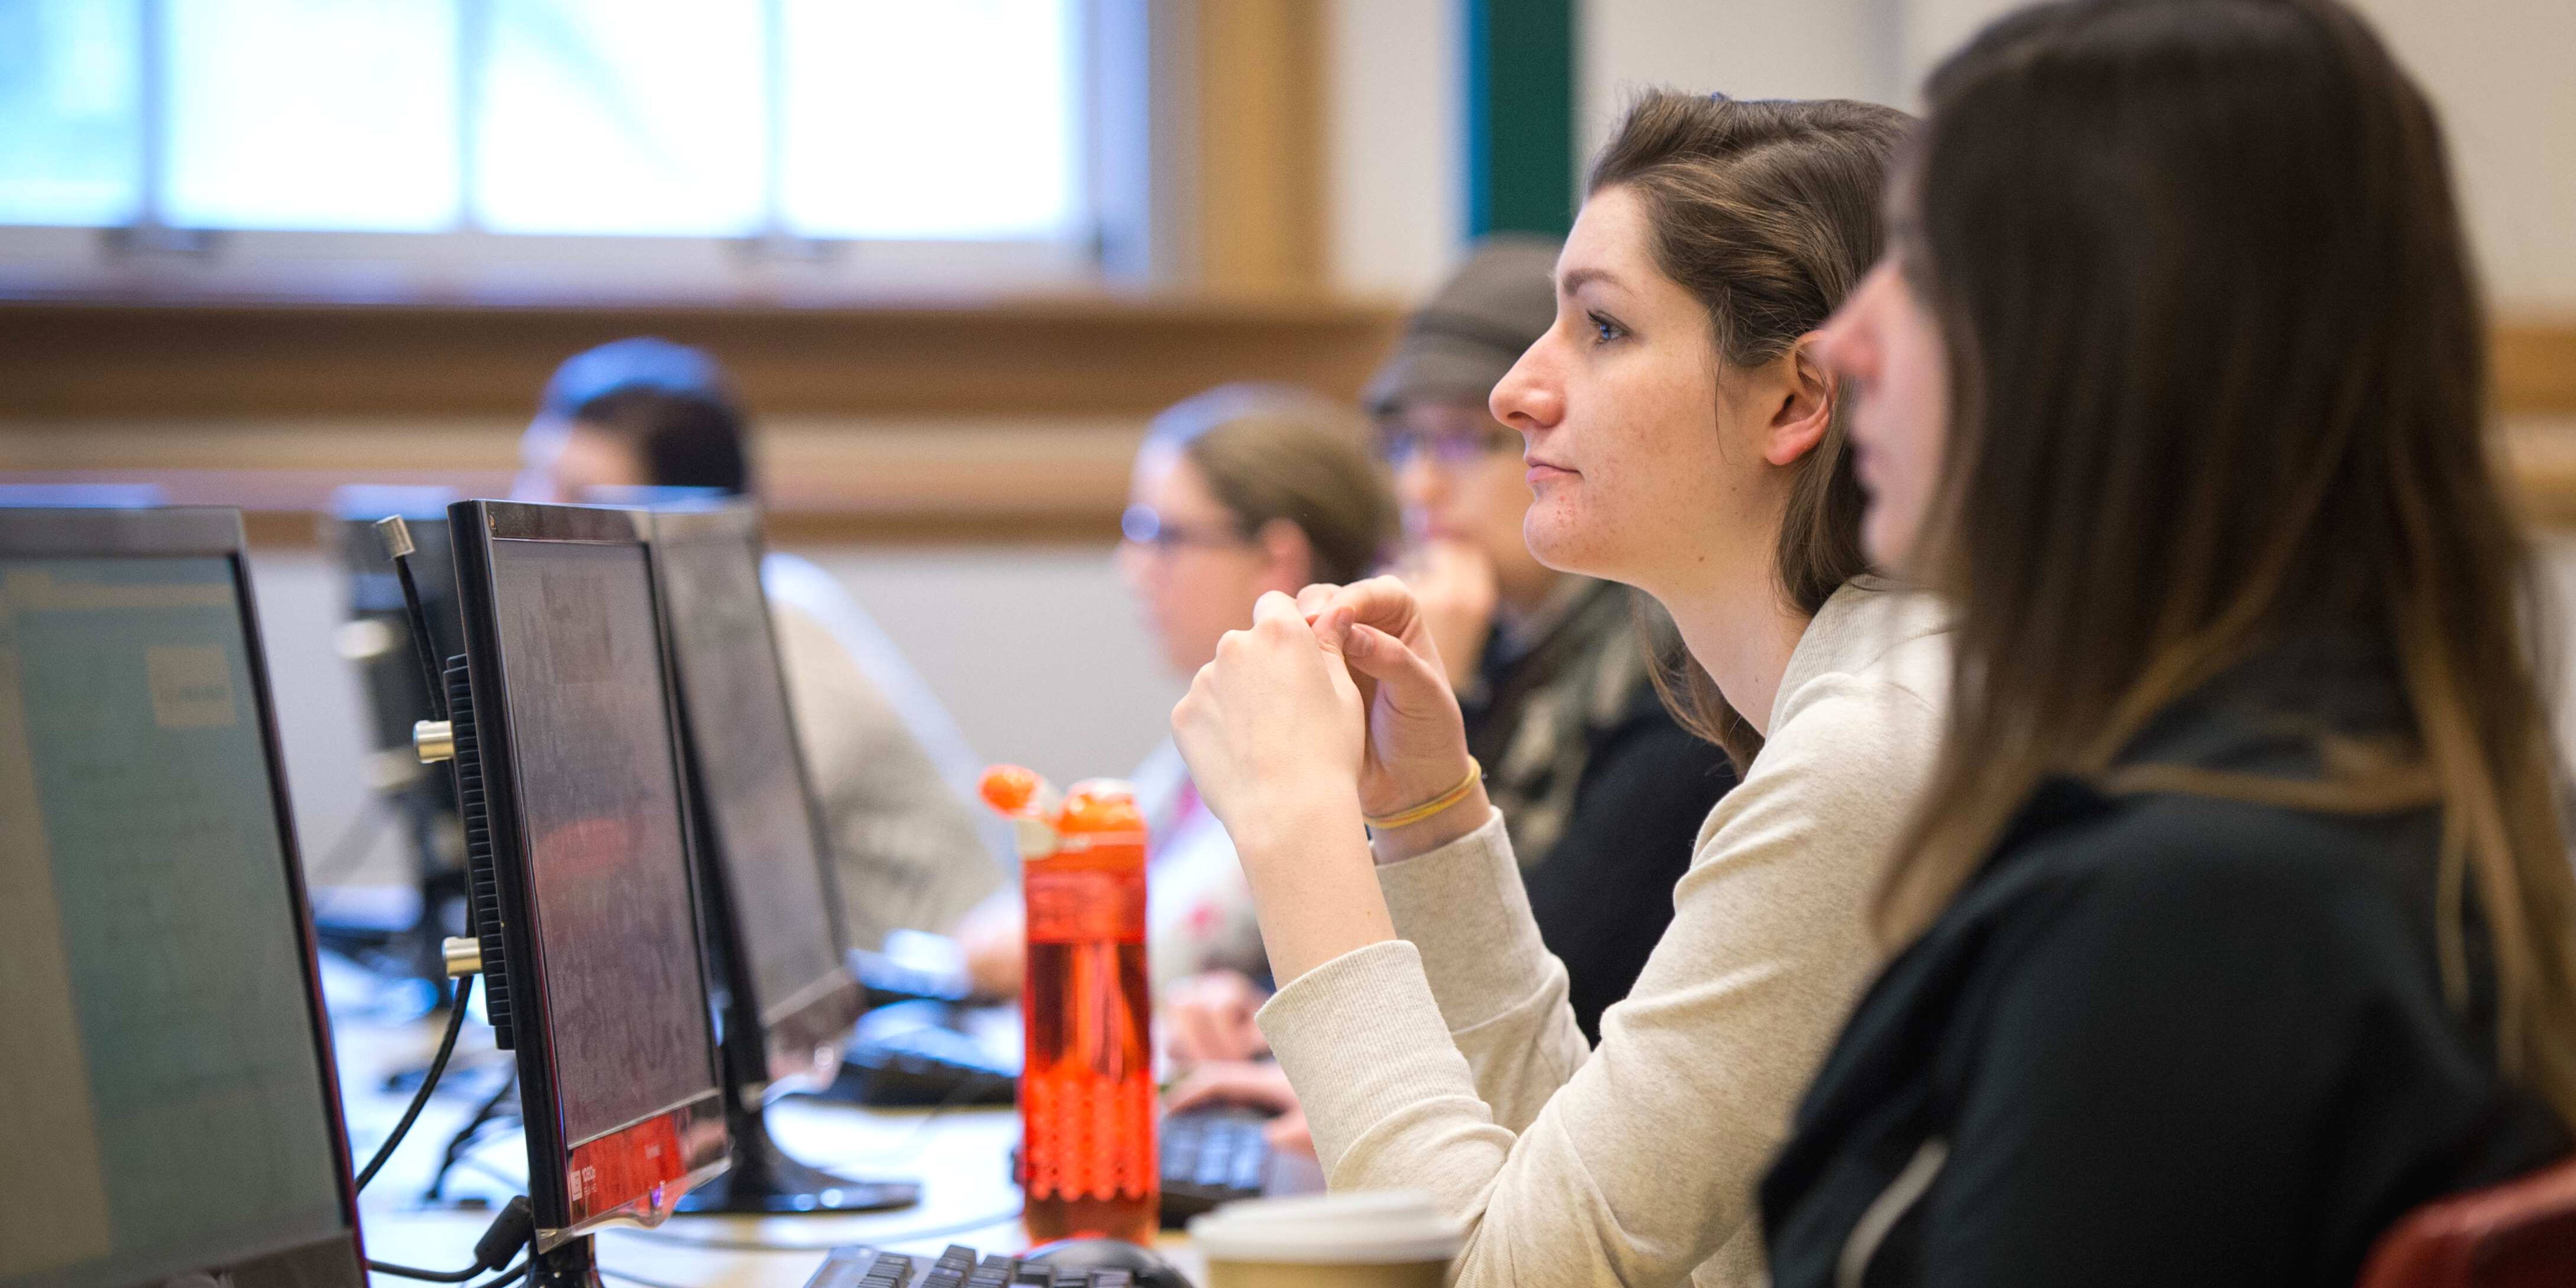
960	1157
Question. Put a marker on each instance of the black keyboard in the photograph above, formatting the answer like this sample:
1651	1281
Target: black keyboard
1211	1156
889	982
958	1267
918	1054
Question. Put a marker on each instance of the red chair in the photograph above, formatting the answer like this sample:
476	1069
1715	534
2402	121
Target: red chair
2521	1234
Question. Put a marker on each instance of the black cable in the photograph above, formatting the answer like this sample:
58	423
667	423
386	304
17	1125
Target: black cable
514	1229
426	1276
465	1160
475	1164
423	644
464	1140
428	1084
873	1238
510	1276
516	1272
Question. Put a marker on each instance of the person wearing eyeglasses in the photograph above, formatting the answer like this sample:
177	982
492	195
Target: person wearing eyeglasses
1238	491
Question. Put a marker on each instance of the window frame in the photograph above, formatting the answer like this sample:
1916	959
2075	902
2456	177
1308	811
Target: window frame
149	258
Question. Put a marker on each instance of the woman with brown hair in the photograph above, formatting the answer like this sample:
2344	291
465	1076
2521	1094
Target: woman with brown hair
2239	911
1237	490
1682	439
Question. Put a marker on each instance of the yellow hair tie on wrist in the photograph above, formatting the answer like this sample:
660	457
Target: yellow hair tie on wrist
1401	818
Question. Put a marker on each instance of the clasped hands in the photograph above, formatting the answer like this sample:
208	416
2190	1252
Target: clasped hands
1333	707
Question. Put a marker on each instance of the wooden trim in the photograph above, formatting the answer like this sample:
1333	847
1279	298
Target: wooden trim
823	480
1261	91
1083	356
2535	367
921	424
1038	358
296	529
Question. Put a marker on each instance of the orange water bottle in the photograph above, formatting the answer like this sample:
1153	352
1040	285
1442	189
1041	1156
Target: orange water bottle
1087	1153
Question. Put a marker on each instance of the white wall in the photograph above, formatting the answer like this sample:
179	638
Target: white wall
2498	70
1745	48
1393	156
1038	651
2503	75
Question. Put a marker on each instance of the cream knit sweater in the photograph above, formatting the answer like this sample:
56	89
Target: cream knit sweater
1448	1060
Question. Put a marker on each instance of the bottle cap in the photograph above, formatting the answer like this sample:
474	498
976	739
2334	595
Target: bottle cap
1029	801
1010	789
1100	807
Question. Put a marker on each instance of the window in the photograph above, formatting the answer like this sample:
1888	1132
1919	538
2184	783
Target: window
362	147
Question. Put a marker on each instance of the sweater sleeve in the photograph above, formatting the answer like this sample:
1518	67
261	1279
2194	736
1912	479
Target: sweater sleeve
1637	1164
1501	994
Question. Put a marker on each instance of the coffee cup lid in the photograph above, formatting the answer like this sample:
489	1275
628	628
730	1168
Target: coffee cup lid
1390	1226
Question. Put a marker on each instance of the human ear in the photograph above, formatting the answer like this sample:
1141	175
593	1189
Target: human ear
1805	405
1288	558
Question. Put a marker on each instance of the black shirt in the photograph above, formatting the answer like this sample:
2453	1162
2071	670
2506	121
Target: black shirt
1602	792
2161	1039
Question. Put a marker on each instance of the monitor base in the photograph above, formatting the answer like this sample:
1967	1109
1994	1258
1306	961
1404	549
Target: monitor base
573	1265
765	1181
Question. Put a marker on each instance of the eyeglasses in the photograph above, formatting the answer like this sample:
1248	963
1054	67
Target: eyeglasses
1449	448
1143	526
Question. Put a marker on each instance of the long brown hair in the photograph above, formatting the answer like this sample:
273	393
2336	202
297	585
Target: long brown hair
2217	380
1768	212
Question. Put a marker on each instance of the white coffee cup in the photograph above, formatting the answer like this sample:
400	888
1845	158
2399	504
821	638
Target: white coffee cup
1369	1239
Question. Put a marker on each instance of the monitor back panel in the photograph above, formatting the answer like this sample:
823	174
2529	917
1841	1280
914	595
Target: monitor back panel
578	812
777	927
167	1100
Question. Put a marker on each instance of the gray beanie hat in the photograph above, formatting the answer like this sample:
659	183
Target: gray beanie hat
1459	346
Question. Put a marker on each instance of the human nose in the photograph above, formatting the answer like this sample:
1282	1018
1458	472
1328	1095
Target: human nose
1135	565
1417	481
1530	397
1844	344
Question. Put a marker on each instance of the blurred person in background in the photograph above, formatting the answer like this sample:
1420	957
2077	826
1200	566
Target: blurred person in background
1238	491
886	760
1601	790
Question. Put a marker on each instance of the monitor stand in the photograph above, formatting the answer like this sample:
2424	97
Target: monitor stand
574	1265
764	1180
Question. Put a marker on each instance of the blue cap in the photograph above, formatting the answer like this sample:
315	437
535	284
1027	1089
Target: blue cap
641	362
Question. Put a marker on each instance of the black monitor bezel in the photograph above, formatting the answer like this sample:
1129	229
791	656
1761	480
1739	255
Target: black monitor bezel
472	528
216	531
801	1050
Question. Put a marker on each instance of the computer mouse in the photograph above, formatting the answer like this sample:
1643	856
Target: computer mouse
1150	1270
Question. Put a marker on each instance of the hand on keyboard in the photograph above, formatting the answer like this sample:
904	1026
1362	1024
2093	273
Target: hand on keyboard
1257	1085
1209	1017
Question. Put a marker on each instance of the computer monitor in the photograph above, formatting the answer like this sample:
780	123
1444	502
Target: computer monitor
578	847
786	998
376	641
167	1098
